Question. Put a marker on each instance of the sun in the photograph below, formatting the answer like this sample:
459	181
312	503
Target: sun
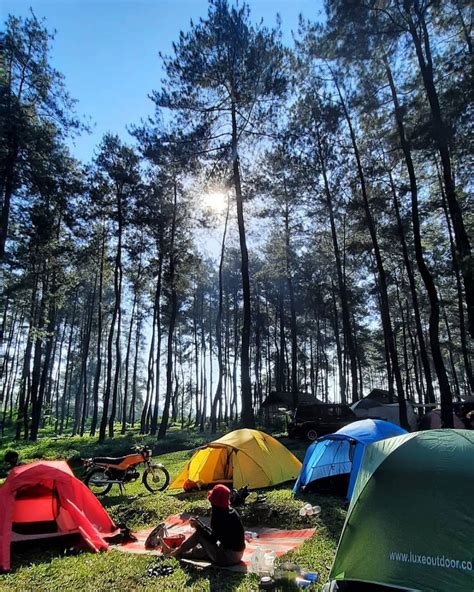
215	200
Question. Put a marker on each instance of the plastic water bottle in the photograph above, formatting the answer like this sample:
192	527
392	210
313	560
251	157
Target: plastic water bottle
270	562
257	561
309	510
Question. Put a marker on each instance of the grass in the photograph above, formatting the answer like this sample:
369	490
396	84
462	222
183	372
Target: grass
48	569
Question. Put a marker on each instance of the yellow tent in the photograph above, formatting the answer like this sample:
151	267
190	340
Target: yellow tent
243	457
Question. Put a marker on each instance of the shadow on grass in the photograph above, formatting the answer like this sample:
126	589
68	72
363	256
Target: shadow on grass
28	553
189	496
220	580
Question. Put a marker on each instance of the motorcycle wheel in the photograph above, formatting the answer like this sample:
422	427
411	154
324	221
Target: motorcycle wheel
97	481
156	478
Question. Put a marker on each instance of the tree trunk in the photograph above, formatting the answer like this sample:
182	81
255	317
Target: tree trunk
345	307
68	363
51	327
110	344
37	358
247	417
457	274
197	418
83	416
441	137
445	390
8	395
12	156
4	373
172	323
98	368
342	377
118	315
129	346
144	421
203	368
385	308
291	293
154	420
220	362
135	371
280	358
457	390
430	396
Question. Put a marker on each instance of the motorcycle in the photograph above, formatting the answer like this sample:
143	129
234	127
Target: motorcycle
103	472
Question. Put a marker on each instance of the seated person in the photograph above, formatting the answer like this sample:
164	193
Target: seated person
469	420
11	459
223	543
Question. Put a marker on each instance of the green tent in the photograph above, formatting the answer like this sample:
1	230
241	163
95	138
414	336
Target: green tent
410	524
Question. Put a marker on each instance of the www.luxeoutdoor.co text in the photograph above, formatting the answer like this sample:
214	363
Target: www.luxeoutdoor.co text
431	560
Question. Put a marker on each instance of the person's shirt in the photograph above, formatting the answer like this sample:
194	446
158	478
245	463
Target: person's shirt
227	528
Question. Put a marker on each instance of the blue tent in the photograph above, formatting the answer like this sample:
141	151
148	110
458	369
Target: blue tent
341	453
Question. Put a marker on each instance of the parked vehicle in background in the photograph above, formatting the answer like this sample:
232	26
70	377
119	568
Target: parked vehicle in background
104	471
312	421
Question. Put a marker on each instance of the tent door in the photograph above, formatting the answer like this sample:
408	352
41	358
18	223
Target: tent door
35	510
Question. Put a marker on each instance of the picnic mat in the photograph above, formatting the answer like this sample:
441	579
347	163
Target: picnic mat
269	539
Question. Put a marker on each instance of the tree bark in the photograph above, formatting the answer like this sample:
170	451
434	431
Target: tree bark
457	274
430	396
154	419
37	358
98	368
129	346
385	308
81	421
441	137
173	316
68	364
291	293
117	314
345	307
11	159
445	390
51	327
247	415
218	394
135	371
342	377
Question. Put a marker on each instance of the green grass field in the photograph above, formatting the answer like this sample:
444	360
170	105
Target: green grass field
45	567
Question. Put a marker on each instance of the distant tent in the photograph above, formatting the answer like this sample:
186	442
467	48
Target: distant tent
432	421
341	453
410	523
381	396
243	457
44	499
373	407
285	400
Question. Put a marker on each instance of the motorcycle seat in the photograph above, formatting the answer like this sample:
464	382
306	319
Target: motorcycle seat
107	460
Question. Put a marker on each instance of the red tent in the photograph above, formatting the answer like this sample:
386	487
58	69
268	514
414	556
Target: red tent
44	499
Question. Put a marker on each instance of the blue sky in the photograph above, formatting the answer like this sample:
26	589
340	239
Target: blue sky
108	50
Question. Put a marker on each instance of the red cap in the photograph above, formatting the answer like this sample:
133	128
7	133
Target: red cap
219	496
